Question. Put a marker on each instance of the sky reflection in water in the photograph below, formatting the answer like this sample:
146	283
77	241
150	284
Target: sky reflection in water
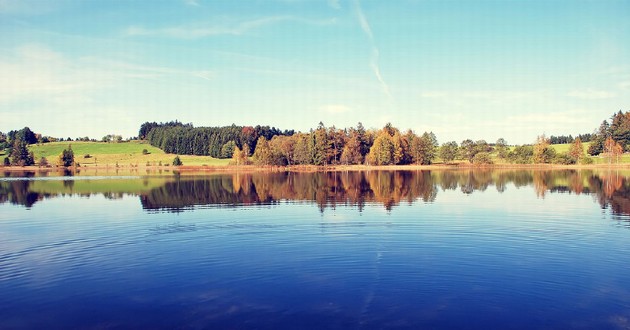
450	249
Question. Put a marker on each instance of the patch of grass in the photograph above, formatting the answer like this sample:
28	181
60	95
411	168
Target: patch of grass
123	154
564	147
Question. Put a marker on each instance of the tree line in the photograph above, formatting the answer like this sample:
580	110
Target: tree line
323	145
219	142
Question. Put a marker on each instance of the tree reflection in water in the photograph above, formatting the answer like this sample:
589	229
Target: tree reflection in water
330	189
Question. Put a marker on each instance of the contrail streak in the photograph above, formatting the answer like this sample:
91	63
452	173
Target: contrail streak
365	26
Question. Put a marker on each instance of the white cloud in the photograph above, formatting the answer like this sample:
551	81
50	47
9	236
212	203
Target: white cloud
590	94
335	108
334	4
202	31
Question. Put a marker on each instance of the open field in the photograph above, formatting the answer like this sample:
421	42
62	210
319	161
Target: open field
122	154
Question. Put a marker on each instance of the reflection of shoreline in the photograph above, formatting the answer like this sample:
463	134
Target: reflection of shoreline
326	189
151	170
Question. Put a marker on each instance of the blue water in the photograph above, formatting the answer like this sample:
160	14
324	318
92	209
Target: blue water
493	258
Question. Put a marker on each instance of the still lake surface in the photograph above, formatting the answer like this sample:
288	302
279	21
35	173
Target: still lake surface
423	249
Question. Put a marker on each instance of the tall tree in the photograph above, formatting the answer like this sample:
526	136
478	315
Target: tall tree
543	153
66	158
501	148
612	150
303	150
381	152
20	156
228	149
468	149
448	151
352	152
320	145
262	154
576	151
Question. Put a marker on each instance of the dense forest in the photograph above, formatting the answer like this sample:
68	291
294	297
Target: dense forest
219	142
264	145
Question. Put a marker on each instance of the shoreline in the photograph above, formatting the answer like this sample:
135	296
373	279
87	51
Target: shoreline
313	168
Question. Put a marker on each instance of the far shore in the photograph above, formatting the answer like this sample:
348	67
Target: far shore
309	168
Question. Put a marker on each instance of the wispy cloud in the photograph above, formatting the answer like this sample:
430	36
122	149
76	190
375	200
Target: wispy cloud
489	97
365	26
334	4
335	108
590	94
37	73
625	85
194	3
202	31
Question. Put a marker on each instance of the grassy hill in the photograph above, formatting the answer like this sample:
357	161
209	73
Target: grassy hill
124	153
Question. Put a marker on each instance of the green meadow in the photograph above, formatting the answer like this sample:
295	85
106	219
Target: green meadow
90	154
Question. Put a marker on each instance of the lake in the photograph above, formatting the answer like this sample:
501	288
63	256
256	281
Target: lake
522	249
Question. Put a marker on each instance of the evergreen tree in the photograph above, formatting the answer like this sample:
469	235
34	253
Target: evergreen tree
20	156
320	145
66	158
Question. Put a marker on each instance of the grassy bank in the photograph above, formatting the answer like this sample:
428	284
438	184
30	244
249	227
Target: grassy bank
93	154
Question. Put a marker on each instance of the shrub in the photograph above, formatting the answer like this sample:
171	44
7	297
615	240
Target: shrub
482	158
586	161
7	161
563	159
177	161
87	156
43	162
145	151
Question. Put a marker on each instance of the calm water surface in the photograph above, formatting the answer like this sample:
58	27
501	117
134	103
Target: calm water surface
438	249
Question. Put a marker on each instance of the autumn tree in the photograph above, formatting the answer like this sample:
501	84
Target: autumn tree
543	153
381	152
351	153
336	140
239	157
303	149
576	151
423	149
262	154
612	150
284	147
398	148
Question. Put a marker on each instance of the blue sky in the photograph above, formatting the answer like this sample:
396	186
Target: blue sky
462	69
